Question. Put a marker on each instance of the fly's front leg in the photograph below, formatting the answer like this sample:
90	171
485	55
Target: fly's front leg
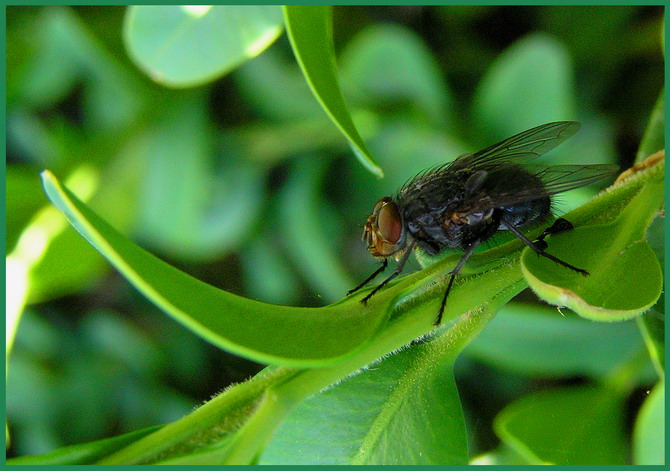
396	272
385	263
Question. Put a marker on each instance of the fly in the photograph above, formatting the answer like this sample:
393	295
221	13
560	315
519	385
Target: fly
461	204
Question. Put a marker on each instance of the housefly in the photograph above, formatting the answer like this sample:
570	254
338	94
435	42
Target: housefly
460	204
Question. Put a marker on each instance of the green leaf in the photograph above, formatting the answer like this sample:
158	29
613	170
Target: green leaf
409	397
625	277
85	453
310	31
242	419
539	340
527	85
571	426
299	336
654	135
649	432
374	416
386	65
189	45
67	264
623	282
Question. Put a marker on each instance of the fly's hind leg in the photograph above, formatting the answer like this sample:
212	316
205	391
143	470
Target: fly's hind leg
540	245
559	225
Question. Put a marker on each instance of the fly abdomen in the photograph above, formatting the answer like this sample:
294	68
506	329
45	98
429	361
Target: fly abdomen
527	212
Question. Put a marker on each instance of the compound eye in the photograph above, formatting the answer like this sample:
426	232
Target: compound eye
389	223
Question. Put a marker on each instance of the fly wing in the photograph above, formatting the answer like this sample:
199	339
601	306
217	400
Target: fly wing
520	148
509	185
517	149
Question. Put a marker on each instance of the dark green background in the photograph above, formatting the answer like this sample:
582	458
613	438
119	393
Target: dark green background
245	184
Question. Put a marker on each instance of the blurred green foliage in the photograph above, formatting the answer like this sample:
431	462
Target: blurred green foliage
245	183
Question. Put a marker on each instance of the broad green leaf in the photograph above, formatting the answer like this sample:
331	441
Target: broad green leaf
374	416
263	402
388	66
625	276
189	45
623	283
409	397
527	85
539	340
649	433
310	31
299	336
654	136
570	426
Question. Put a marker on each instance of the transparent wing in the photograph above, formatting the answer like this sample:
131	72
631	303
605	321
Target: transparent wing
509	185
521	147
517	149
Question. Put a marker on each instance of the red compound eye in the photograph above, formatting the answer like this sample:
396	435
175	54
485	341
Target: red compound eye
384	232
389	223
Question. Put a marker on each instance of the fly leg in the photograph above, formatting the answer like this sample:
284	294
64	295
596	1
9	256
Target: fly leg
559	225
385	263
539	248
453	273
395	273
